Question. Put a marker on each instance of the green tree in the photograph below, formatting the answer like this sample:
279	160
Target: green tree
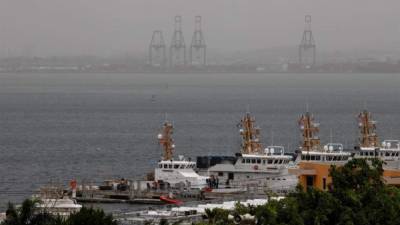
90	216
358	196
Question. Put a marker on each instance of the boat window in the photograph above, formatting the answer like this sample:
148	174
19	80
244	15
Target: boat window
307	157
165	166
220	174
303	157
243	161
170	166
397	153
182	166
313	157
269	161
387	154
253	161
176	166
160	166
280	161
371	154
247	160
393	154
328	158
263	161
318	157
258	161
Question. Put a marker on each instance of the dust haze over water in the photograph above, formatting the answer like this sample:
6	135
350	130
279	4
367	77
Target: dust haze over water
97	126
103	27
101	126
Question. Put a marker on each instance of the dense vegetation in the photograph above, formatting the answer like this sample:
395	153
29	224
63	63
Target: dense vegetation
26	215
358	196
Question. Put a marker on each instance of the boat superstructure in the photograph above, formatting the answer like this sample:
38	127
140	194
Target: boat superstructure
51	199
176	171
264	168
311	149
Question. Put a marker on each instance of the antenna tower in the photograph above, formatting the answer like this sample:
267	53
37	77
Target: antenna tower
309	131
198	46
177	50
368	136
250	135
165	139
307	48
157	50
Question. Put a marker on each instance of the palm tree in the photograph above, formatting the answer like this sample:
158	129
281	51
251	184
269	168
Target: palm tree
26	215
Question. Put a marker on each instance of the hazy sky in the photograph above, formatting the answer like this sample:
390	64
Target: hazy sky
107	27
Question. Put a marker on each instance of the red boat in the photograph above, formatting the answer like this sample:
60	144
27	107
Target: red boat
170	200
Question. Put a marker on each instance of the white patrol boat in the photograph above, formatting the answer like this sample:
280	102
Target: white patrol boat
369	146
311	151
176	172
255	168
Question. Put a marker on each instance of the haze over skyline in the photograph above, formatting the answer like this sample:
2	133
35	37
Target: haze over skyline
104	27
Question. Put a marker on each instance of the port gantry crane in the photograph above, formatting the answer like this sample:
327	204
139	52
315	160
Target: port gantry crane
368	137
307	47
309	131
166	141
250	135
157	50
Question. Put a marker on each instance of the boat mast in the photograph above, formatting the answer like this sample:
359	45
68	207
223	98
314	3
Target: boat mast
165	139
250	135
309	131
368	136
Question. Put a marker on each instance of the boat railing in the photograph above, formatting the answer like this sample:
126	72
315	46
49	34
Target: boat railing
391	144
274	150
333	147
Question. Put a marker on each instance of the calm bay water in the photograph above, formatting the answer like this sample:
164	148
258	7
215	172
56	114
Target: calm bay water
55	127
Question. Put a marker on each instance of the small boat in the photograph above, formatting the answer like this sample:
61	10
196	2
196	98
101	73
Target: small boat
53	200
169	200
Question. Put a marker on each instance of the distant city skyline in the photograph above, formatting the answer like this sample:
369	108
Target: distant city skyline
107	28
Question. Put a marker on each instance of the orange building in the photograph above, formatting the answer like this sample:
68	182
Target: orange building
316	175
